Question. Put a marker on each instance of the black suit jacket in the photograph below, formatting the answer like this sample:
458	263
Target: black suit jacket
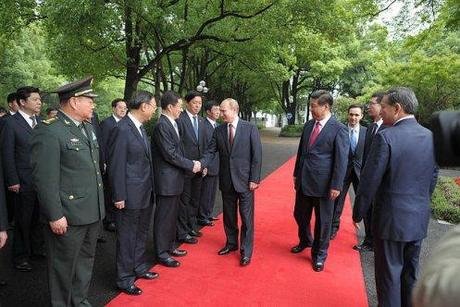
106	126
169	164
16	147
368	141
130	166
213	166
355	160
241	163
3	210
323	166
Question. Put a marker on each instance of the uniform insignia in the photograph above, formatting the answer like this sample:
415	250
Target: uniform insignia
94	136
74	140
49	121
66	122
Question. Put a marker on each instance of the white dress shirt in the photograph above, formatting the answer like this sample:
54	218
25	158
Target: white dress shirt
28	119
116	118
403	118
173	122
137	123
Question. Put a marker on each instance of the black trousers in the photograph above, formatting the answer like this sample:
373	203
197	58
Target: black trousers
369	238
207	197
28	232
396	266
244	203
70	264
189	205
351	178
324	211
132	232
110	209
11	200
165	220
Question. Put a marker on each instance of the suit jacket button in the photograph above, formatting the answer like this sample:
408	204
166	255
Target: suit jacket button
71	197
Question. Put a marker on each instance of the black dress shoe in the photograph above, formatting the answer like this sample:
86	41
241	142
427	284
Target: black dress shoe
363	248
169	262
244	261
149	275
195	233
205	223
133	290
178	253
299	248
318	266
189	240
226	250
110	227
23	267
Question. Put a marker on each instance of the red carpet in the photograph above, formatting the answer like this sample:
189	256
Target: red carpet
274	278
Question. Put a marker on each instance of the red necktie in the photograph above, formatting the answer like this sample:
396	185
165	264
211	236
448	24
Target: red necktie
230	134
314	134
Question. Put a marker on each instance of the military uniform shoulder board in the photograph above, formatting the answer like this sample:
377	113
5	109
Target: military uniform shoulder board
49	121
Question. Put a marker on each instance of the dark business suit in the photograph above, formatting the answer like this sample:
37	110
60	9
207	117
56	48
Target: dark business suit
351	176
11	197
3	208
400	175
193	150
107	126
131	179
169	167
239	165
209	184
16	147
318	169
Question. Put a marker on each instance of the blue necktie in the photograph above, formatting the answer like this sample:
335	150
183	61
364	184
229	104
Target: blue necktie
195	126
353	140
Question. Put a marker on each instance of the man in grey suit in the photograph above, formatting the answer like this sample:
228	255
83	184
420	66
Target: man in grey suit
131	179
240	154
357	135
210	180
169	167
400	175
319	172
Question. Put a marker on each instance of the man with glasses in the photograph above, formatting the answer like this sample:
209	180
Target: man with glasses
65	169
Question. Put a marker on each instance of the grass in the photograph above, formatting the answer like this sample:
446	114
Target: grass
291	131
446	200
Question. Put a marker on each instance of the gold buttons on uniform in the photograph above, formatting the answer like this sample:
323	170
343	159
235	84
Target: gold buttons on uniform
100	184
71	197
94	161
77	149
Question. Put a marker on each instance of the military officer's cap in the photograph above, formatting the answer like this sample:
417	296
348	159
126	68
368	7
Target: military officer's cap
76	89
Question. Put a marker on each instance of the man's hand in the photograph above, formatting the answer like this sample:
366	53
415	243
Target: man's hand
14	188
3	238
204	172
196	166
253	186
59	227
334	194
119	204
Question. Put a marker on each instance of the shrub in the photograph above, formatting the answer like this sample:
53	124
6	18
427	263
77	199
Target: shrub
291	131
446	200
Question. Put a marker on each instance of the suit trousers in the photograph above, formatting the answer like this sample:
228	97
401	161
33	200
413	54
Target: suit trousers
165	220
70	264
189	205
369	238
396	266
132	232
28	232
207	197
110	209
232	201
324	211
351	178
11	200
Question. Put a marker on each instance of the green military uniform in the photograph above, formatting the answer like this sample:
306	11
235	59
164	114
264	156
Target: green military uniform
65	163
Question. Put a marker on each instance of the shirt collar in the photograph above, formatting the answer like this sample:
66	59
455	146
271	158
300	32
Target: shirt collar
135	121
403	118
379	122
356	129
190	115
324	120
213	122
235	122
116	118
173	122
11	112
26	117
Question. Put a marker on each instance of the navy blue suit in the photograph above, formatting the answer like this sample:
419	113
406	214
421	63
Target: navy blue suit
169	167
318	169
131	179
400	174
355	160
209	184
16	148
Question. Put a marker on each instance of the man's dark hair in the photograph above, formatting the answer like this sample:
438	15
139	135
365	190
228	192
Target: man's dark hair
139	98
209	104
192	94
116	101
50	109
378	95
405	97
355	106
11	97
323	97
168	98
25	92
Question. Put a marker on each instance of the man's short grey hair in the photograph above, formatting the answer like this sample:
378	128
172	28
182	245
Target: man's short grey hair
232	103
405	97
